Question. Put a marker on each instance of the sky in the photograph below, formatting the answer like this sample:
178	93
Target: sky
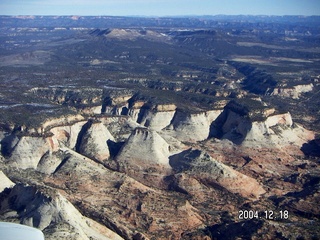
159	7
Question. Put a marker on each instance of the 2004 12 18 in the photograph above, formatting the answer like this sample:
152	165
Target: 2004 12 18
267	214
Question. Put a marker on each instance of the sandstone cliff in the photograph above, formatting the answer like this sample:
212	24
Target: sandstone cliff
145	154
192	126
277	130
264	128
28	152
52	213
68	134
293	92
147	146
157	120
93	142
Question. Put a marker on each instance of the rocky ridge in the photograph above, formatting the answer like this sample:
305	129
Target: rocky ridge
138	152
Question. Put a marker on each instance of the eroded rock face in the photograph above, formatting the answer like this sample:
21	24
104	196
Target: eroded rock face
279	119
68	134
144	154
237	124
233	124
157	120
50	161
146	146
192	127
5	182
93	142
277	130
155	171
293	92
204	168
28	152
42	211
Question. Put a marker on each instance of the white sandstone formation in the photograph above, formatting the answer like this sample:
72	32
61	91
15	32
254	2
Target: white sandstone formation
28	151
145	157
55	212
283	119
293	92
116	110
157	120
5	182
191	127
85	228
258	128
236	127
134	113
49	162
144	148
68	134
137	110
277	130
94	142
159	117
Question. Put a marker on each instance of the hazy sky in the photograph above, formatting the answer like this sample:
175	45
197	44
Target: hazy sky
159	7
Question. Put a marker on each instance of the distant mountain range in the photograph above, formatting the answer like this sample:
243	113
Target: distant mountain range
136	21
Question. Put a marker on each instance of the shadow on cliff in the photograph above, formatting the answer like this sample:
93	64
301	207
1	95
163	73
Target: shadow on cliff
233	123
25	201
114	147
81	134
8	144
311	148
181	161
234	230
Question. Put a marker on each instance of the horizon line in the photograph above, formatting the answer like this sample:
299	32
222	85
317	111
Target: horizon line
160	16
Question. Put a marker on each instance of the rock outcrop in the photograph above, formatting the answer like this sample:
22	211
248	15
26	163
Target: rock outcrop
51	213
145	154
199	165
68	134
277	130
159	117
28	152
146	146
233	123
5	182
264	128
293	92
93	142
50	161
190	127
